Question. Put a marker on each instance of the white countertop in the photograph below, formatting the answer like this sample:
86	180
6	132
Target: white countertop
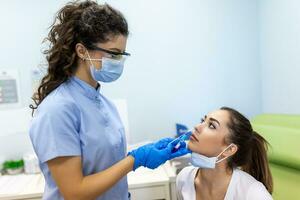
21	186
30	186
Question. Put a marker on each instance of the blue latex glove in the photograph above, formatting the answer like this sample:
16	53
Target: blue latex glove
140	155
166	152
153	155
163	143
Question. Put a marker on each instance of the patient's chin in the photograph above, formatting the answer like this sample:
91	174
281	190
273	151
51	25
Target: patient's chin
196	148
193	147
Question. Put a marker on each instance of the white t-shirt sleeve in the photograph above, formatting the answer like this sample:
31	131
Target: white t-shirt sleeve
185	183
258	191
179	183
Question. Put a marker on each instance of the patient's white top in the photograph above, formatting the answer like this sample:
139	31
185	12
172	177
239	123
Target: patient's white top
242	186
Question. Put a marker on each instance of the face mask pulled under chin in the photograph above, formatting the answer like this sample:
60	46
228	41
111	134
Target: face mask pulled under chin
204	162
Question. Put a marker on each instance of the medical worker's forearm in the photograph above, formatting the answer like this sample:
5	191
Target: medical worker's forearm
94	185
67	173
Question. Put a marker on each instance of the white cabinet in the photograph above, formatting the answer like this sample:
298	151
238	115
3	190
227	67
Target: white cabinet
149	184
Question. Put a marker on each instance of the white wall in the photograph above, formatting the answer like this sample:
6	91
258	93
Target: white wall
280	55
23	26
188	58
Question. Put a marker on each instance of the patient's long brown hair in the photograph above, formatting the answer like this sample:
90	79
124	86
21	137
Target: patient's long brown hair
85	22
252	149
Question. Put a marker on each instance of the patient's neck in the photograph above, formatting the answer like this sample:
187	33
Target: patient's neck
218	177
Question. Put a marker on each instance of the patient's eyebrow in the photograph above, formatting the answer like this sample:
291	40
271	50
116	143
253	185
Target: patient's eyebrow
212	119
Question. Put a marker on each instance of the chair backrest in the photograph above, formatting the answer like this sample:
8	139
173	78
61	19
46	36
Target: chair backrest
283	133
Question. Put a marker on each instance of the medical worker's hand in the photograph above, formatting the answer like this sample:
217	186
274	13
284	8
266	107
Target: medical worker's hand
163	143
164	150
153	155
140	155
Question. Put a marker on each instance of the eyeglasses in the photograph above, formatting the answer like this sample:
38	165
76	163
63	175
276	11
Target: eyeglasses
113	54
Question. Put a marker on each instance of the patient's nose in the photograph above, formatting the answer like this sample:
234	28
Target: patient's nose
198	128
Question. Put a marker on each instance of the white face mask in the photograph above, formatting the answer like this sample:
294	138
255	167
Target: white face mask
205	162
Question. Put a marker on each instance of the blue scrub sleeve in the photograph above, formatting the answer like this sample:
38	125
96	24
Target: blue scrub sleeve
55	132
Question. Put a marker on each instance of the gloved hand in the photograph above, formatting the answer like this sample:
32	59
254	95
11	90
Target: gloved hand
163	143
153	155
140	155
164	150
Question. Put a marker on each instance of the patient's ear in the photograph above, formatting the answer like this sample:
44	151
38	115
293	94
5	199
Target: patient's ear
231	150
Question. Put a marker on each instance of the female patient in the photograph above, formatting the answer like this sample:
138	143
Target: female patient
229	160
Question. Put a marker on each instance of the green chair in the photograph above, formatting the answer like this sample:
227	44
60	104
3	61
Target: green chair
283	134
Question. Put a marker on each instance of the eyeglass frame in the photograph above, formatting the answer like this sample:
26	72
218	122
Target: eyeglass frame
93	47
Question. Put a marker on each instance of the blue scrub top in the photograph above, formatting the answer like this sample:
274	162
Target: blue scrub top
77	120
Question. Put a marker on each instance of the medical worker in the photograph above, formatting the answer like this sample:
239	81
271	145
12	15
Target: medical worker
76	132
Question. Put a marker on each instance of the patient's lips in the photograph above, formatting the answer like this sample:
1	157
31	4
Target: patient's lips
193	137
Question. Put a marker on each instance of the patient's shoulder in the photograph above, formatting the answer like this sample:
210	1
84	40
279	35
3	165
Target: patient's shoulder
249	186
187	173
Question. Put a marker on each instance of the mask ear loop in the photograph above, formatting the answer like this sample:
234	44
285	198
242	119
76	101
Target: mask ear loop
223	152
94	59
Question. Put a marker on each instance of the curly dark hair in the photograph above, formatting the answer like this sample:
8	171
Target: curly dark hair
85	22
